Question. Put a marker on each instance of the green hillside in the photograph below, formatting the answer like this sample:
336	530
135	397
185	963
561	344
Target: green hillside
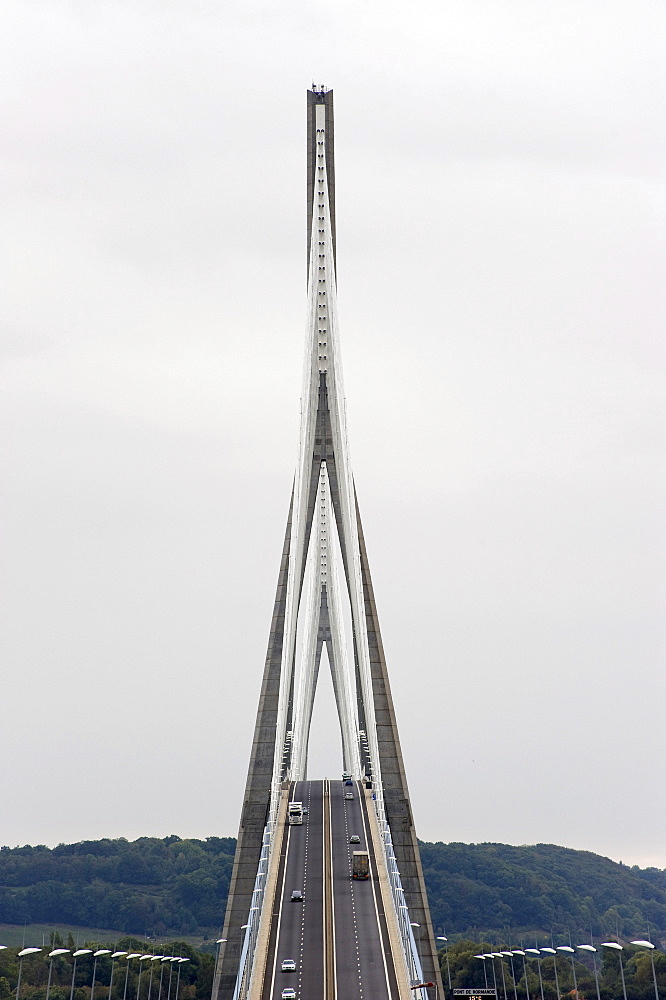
170	886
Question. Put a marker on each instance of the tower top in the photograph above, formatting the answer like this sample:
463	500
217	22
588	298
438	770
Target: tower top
320	154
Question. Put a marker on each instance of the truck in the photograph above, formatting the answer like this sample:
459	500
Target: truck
360	864
295	813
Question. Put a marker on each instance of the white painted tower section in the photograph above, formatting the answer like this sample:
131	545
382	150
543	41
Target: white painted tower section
315	558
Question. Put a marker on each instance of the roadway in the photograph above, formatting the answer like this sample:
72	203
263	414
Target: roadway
316	858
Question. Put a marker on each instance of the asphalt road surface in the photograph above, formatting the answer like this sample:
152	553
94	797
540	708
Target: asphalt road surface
357	959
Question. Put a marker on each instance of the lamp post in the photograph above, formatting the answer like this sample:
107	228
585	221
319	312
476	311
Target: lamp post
163	959
52	955
485	974
133	954
509	955
143	958
155	958
551	951
498	954
446	955
180	962
77	955
96	955
648	944
22	954
619	949
171	961
570	951
114	956
592	951
491	956
519	951
537	954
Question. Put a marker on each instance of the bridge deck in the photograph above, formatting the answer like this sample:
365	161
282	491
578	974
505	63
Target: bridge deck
353	959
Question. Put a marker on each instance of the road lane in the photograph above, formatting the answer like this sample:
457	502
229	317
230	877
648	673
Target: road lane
297	928
364	964
358	946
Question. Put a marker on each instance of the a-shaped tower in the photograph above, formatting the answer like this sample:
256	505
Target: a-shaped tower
323	533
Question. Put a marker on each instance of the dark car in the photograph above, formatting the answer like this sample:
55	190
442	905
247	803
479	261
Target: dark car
297	896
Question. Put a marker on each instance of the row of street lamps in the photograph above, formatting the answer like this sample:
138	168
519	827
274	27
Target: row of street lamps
563	950
102	952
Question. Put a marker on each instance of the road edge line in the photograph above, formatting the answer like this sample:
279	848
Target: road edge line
266	919
395	939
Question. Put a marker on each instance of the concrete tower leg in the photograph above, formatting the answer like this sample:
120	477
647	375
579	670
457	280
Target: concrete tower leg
394	780
257	795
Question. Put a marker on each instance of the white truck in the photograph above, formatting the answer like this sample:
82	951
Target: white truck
295	813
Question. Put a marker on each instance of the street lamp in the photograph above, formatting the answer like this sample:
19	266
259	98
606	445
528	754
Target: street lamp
551	951
593	951
648	944
114	956
52	955
133	954
180	962
570	951
22	954
446	955
617	947
485	974
519	951
537	954
142	958
77	955
509	955
96	955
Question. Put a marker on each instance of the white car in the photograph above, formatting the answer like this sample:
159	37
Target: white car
288	994
349	795
289	965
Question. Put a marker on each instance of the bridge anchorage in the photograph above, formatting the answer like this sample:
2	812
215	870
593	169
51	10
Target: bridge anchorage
327	898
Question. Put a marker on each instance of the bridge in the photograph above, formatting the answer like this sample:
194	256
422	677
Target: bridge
327	876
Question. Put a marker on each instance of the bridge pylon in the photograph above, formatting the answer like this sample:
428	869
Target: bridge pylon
324	579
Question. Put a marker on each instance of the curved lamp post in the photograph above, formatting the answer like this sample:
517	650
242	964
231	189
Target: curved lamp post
500	955
180	962
592	951
535	953
52	955
77	955
568	950
509	955
446	955
132	954
114	956
551	951
519	951
485	974
22	954
648	944
619	949
142	958
97	954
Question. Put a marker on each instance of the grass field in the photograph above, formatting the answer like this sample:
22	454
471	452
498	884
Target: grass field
38	936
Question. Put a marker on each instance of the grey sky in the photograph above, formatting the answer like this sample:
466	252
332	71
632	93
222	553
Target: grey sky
501	203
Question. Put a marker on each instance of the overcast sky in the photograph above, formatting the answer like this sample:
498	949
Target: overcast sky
501	204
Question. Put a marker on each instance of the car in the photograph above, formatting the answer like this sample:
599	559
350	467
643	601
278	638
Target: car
297	896
354	839
349	782
289	994
349	795
305	810
288	965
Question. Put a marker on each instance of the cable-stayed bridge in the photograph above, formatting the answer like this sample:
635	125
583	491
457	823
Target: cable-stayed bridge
327	874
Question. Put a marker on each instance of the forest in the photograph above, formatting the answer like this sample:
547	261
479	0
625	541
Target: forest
526	978
157	887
